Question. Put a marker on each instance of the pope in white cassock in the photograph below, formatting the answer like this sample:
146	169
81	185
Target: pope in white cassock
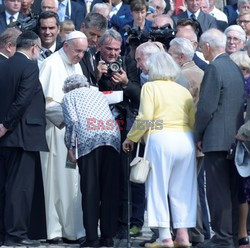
61	183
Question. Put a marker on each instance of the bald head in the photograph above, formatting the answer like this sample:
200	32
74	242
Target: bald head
162	20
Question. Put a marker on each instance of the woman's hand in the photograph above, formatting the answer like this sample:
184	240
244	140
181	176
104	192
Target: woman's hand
240	137
128	145
71	154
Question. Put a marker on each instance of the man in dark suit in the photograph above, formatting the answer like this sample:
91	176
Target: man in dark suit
93	27
219	115
11	14
71	10
119	14
22	136
48	30
8	43
194	12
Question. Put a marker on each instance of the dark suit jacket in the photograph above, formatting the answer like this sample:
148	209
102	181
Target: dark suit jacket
22	104
2	58
3	24
231	12
89	66
220	108
124	14
82	2
199	62
206	21
78	13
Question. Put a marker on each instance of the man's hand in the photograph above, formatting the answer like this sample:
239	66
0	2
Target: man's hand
240	137
101	69
3	130
199	146
120	78
71	154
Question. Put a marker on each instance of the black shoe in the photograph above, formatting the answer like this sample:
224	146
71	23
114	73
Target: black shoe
152	240
68	241
87	243
22	242
122	233
107	242
243	241
55	241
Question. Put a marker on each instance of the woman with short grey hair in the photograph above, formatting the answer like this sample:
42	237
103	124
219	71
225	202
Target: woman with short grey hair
169	108
93	141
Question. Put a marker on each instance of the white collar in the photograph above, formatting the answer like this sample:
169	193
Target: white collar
52	48
4	55
118	6
8	15
24	54
196	13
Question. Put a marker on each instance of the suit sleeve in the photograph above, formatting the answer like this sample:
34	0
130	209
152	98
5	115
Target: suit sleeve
25	93
211	87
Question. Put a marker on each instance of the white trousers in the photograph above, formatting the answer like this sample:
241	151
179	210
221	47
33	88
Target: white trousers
172	177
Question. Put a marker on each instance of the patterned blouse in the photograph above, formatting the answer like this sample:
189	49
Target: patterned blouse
87	116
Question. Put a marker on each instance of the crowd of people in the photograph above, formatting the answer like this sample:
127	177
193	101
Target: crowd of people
82	82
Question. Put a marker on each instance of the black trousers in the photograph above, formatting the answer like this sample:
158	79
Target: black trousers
99	183
17	177
222	195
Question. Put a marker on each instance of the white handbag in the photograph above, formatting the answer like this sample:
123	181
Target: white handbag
140	166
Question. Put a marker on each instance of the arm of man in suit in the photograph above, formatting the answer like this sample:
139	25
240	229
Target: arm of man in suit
25	93
208	101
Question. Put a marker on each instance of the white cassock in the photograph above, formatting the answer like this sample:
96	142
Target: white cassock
61	184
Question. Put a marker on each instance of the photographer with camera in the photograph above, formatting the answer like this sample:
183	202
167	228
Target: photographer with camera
116	73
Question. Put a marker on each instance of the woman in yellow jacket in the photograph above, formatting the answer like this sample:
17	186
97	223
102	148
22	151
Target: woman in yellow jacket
171	151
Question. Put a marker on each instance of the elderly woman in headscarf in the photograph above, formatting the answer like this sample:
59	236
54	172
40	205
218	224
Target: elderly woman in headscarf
171	151
93	140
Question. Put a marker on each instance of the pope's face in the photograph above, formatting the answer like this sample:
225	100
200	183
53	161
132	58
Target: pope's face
75	49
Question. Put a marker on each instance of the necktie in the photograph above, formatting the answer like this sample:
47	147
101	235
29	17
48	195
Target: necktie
11	18
193	17
47	53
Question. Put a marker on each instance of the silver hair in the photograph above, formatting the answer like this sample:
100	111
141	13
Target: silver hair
241	59
161	66
183	46
163	4
148	48
101	6
74	81
238	29
240	2
110	34
55	1
215	38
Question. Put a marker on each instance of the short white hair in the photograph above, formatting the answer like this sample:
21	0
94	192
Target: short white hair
238	29
161	66
55	1
183	46
148	48
75	81
100	7
215	38
240	2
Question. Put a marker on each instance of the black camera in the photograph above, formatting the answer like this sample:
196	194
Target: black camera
164	35
115	66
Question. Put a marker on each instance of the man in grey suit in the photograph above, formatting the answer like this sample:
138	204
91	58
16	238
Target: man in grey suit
218	117
194	12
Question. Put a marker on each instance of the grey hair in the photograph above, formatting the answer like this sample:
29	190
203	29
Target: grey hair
238	29
101	6
148	48
183	46
215	38
55	1
163	4
241	59
110	34
240	2
166	18
74	81
161	66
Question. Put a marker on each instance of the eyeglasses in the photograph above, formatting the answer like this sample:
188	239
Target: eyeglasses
240	22
40	49
233	39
